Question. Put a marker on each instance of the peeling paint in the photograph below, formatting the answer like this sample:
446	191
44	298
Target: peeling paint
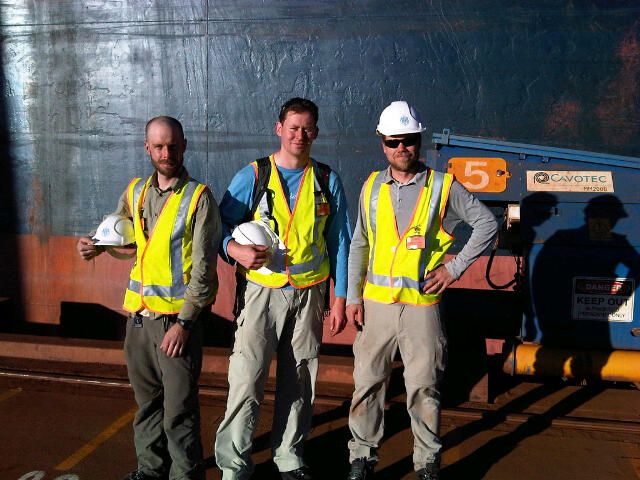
619	109
564	120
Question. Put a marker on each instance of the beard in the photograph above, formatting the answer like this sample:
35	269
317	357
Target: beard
405	162
169	168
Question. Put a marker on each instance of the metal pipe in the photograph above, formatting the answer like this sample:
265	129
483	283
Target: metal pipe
612	365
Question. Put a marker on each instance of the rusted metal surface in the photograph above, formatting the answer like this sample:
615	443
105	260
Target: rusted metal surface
80	79
56	281
83	77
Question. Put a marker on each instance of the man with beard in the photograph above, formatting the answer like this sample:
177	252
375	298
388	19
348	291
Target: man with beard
176	225
396	264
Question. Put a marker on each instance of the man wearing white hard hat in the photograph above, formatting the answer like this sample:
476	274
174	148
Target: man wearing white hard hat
281	290
397	276
173	222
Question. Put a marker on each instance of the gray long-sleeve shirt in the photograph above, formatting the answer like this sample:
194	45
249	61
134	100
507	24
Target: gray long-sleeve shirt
203	285
461	206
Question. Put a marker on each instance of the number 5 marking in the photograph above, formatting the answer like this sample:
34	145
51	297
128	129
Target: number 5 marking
480	174
469	171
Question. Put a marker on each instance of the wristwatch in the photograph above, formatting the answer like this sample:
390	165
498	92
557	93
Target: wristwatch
186	324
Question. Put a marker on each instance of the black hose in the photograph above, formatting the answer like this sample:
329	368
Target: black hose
516	278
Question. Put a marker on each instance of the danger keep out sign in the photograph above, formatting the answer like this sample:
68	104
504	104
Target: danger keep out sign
603	299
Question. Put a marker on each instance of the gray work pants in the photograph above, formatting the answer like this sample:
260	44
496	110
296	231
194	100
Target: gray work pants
167	424
420	336
287	322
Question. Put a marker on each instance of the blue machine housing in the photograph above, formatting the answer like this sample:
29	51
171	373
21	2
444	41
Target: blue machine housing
577	235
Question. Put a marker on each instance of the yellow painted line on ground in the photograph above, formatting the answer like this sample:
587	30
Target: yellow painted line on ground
9	393
102	437
633	452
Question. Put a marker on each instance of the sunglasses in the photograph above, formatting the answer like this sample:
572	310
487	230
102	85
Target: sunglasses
406	141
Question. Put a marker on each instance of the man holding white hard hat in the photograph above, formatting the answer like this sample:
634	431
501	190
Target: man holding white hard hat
257	232
173	222
281	293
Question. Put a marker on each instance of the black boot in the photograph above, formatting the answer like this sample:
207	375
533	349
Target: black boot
301	473
361	469
138	475
429	472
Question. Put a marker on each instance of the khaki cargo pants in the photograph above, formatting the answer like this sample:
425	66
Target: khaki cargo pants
419	335
287	322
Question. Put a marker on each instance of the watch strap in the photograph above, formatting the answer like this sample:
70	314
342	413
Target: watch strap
186	324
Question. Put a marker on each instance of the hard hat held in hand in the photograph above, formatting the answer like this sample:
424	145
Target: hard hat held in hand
400	118
115	231
257	232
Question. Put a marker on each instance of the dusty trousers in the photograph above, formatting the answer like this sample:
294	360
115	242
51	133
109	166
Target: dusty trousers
418	333
167	424
288	323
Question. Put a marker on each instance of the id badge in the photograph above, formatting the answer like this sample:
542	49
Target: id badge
415	242
137	321
323	209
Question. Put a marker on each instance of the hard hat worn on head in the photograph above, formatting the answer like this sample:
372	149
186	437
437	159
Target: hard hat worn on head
115	231
400	118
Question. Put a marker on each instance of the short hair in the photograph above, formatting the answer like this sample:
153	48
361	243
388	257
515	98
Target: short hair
298	105
172	122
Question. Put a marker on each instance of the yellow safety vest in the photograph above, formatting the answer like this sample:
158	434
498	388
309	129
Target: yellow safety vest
302	231
397	263
162	271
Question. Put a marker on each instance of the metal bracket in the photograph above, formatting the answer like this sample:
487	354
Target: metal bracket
445	136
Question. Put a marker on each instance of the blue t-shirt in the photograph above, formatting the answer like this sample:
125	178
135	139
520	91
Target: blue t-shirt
237	203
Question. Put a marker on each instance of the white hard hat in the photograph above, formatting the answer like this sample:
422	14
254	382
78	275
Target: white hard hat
257	232
400	118
115	231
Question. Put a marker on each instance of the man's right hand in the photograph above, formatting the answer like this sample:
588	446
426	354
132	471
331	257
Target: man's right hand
249	256
87	249
355	314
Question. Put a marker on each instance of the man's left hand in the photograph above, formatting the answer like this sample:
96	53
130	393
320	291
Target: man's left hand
437	280
337	316
174	341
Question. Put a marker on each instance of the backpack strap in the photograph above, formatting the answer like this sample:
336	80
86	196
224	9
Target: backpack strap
323	172
260	186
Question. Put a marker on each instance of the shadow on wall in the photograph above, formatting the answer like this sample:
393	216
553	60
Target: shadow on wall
77	320
566	268
90	320
11	298
472	316
97	322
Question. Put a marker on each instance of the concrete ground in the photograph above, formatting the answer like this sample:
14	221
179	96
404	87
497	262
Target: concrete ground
73	429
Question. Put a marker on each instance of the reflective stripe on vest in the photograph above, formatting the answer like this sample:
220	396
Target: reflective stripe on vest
396	273
158	290
302	231
159	278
